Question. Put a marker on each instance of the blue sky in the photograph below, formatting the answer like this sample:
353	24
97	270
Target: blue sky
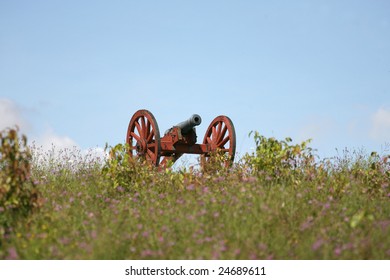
74	72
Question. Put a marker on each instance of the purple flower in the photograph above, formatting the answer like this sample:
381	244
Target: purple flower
93	234
338	251
317	245
147	253
12	254
219	179
191	187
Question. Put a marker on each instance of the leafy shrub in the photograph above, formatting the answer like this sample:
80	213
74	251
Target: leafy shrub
275	159
218	162
122	170
18	194
372	171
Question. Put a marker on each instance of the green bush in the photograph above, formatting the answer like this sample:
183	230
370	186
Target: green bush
18	194
124	171
276	159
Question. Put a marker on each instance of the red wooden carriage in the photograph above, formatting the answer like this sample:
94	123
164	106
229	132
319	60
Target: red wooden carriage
143	138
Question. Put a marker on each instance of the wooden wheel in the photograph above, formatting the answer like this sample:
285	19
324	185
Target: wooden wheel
143	137
221	136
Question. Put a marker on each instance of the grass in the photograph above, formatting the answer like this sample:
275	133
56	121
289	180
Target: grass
331	209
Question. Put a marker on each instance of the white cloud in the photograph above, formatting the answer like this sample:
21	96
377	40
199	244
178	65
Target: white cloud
11	115
380	125
49	140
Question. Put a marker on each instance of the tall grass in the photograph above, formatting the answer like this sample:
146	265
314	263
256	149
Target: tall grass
288	207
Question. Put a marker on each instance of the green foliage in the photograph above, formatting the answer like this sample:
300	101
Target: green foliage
18	194
331	209
218	162
125	171
279	159
372	171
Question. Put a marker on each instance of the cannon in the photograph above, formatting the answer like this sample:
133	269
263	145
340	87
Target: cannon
144	141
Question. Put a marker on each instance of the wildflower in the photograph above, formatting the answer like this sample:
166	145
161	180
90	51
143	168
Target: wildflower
12	254
190	217
93	234
219	179
317	245
191	187
120	189
326	205
208	239
216	255
307	224
147	253
338	251
65	241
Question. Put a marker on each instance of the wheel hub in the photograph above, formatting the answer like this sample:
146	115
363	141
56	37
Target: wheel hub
142	147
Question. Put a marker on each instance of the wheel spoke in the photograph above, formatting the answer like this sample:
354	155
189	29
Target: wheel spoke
150	136
220	136
220	124
214	133
224	141
137	138
151	154
148	125
139	129
143	126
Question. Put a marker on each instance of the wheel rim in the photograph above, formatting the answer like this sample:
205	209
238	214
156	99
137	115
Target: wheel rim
221	136
143	137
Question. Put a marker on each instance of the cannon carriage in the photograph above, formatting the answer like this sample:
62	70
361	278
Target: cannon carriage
144	140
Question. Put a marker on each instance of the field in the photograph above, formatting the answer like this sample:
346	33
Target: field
281	202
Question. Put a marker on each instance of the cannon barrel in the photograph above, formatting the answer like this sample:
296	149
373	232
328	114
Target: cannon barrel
189	124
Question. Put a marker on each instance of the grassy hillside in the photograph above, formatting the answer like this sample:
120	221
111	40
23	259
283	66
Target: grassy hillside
279	203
